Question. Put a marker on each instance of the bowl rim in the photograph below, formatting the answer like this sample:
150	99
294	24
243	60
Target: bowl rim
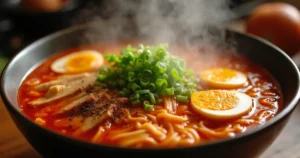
14	109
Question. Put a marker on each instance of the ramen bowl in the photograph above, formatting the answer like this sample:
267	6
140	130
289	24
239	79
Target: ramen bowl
246	145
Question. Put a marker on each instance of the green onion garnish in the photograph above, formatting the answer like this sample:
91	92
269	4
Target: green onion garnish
145	91
182	98
146	73
148	106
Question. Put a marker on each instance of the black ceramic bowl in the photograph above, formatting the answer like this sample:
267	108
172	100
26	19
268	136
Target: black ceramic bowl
247	145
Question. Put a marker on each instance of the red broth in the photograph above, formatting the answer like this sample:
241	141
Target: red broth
262	88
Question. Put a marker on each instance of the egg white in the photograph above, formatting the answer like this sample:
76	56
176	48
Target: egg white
59	65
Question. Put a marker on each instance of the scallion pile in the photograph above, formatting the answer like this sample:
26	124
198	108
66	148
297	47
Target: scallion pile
146	73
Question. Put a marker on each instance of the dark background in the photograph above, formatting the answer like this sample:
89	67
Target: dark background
18	29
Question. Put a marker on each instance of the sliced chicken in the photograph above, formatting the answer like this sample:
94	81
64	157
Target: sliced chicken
62	80
56	92
53	90
77	103
93	120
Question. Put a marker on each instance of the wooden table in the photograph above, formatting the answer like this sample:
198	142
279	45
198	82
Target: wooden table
13	144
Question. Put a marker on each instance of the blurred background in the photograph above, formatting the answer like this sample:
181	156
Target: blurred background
25	21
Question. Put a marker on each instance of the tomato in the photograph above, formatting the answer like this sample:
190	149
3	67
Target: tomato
277	22
43	5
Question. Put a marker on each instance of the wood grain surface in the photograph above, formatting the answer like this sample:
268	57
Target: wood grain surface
14	145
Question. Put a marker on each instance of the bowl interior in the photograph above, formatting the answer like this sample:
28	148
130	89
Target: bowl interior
259	51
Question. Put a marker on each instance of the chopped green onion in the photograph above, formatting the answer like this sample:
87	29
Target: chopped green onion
148	106
144	97
175	74
146	55
131	78
169	91
146	73
144	82
111	57
131	55
131	73
151	87
139	63
121	83
178	90
160	83
182	98
160	67
134	96
161	53
186	92
190	85
165	76
105	69
135	102
189	73
135	87
152	98
125	91
145	91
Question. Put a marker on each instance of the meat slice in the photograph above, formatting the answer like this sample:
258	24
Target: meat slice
105	112
77	103
63	80
53	90
71	88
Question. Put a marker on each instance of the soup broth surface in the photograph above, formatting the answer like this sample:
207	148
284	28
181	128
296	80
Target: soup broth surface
170	124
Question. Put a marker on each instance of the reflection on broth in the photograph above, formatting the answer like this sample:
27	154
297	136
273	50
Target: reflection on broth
148	96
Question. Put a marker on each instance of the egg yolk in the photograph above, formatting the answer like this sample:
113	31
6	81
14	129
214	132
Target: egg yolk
80	63
223	78
214	100
221	105
219	74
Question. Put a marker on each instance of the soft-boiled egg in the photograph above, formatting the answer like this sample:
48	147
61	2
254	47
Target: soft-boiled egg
221	104
223	78
81	61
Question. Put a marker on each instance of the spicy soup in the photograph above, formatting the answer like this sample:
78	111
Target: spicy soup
114	101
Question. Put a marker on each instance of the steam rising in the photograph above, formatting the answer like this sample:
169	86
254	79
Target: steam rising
158	21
